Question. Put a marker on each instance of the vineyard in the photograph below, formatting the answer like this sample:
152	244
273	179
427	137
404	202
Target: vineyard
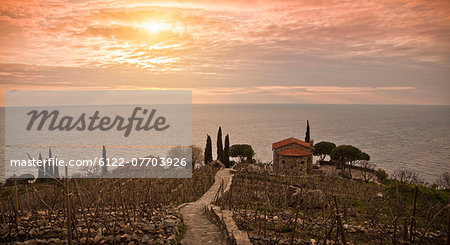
99	210
328	208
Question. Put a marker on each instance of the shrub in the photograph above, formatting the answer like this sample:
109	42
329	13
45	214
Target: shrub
444	181
381	175
407	177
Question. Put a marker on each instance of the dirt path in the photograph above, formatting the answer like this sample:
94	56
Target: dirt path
199	230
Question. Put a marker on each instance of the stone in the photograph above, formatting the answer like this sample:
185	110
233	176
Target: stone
126	228
145	238
312	199
149	227
42	242
134	237
30	242
171	239
97	238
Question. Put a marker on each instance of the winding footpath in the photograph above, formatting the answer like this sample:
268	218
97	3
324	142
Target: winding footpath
199	230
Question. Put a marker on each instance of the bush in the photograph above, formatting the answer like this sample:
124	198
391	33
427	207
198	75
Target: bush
381	175
243	152
407	177
444	181
345	175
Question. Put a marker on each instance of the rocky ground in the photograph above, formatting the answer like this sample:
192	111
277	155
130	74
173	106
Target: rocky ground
260	232
164	226
103	211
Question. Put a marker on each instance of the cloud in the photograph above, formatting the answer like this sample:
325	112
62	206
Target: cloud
297	90
335	29
306	45
308	94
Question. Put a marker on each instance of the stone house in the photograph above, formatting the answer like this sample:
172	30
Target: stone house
292	155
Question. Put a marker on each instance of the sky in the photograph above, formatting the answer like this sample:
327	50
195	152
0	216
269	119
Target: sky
303	51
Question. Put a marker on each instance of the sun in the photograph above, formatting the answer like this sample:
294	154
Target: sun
155	27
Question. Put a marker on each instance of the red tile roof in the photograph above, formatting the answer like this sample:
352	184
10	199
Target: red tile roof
288	141
293	152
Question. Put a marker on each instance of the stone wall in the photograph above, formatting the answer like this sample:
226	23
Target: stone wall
224	219
293	165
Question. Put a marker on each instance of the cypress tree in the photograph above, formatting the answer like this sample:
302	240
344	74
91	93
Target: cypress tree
219	145
50	167
208	150
41	168
56	170
45	169
104	167
307	136
226	152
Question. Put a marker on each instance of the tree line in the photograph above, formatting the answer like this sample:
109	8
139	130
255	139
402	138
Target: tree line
223	152
243	152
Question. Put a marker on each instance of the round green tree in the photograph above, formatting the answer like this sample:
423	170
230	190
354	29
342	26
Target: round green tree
323	149
242	151
346	155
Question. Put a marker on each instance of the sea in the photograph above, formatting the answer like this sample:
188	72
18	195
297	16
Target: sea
396	137
413	137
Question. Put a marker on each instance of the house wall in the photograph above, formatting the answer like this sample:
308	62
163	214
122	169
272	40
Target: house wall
291	163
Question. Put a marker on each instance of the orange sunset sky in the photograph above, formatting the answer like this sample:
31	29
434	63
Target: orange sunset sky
306	51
